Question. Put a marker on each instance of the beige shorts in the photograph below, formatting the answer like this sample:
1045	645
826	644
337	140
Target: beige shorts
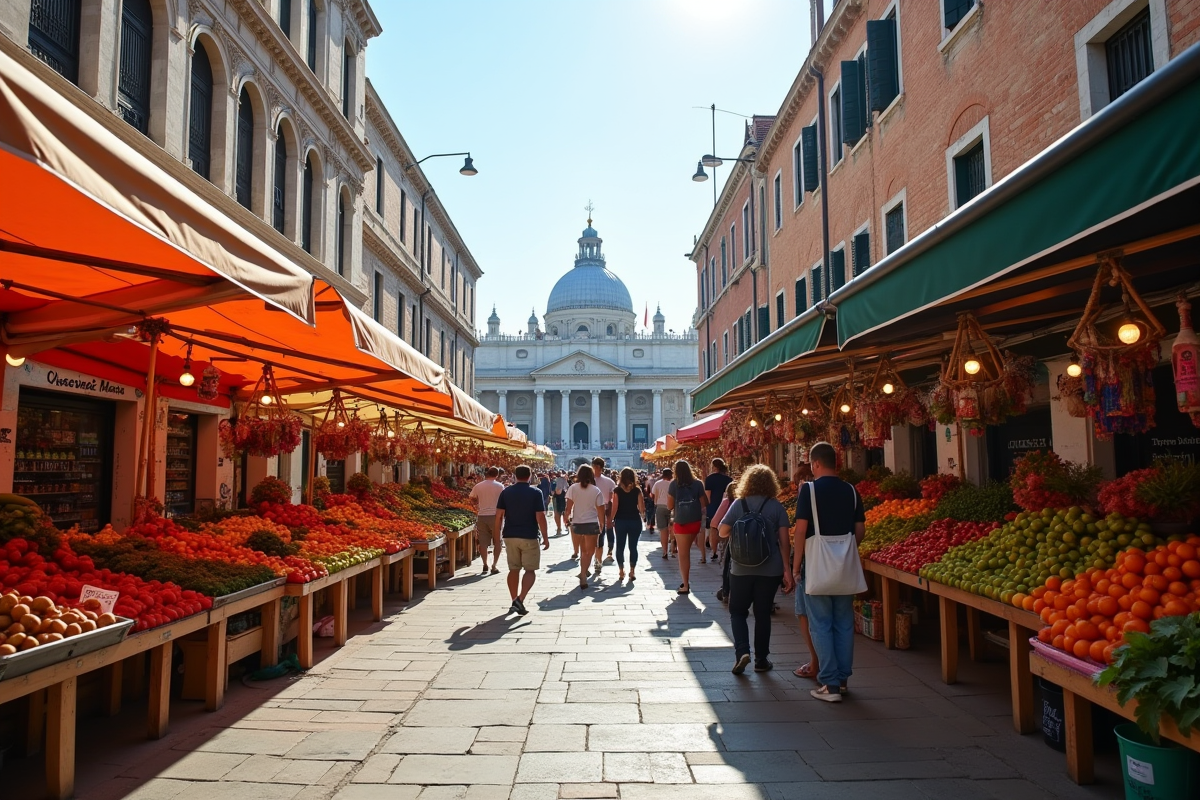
523	553
486	533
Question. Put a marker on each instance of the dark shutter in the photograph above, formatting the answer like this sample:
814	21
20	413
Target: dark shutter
883	68
377	300
779	310
860	247
347	61
306	201
244	176
818	285
400	315
379	179
837	269
341	235
895	228
133	82
285	17
54	35
312	35
403	214
853	113
200	123
808	145
955	11
801	295
1129	56
279	189
764	321
969	174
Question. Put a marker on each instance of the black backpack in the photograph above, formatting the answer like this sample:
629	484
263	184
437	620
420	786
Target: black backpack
749	542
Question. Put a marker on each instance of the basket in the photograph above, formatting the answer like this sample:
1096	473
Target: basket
868	620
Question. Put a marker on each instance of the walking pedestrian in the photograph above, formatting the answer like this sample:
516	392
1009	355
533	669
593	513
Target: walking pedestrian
487	532
756	572
648	499
560	501
830	523
628	509
662	512
687	500
522	513
606	485
585	508
545	487
722	510
715	483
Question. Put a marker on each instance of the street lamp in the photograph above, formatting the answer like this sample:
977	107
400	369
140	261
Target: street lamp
468	167
712	161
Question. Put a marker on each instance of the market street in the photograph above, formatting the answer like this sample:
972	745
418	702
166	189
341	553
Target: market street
622	691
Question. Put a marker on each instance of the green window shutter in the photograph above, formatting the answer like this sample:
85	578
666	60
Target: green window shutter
853	113
860	247
818	285
764	321
780	305
837	269
882	66
808	147
801	296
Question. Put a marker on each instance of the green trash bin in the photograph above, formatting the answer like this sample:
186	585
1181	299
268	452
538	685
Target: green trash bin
1156	772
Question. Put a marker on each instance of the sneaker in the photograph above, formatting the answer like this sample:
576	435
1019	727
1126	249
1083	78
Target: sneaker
827	694
608	559
763	665
574	556
843	689
520	607
740	665
514	608
722	596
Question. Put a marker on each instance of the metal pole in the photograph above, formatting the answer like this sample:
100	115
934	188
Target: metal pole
148	422
714	151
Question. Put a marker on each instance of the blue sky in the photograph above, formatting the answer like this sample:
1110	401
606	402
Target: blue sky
562	101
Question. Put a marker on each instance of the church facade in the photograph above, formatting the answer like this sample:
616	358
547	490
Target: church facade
583	380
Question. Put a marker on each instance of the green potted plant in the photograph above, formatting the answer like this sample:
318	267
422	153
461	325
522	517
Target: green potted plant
1172	492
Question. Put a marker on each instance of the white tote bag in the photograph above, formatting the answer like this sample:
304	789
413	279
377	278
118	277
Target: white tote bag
831	563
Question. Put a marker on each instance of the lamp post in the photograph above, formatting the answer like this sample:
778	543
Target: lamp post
712	162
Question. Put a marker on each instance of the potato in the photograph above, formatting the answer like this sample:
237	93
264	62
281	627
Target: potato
92	615
73	629
31	622
41	605
30	643
26	599
87	626
5	620
92	604
106	619
16	627
47	638
16	639
45	627
7	602
7	650
56	626
18	611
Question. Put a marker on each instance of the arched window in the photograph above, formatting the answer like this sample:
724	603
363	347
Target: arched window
580	432
54	35
306	223
611	331
347	80
244	176
133	83
200	124
279	189
582	330
341	235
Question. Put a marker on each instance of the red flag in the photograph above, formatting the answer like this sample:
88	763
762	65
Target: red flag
646	318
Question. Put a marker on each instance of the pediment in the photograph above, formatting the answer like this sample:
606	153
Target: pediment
580	364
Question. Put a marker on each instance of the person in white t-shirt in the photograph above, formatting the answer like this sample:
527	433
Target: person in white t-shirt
606	485
660	491
485	494
586	510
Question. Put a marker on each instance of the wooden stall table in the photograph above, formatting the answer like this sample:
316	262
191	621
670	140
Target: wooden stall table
401	579
465	541
1079	692
304	592
890	580
223	651
430	546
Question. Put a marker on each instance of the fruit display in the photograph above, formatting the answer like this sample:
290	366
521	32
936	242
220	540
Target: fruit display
905	509
935	487
931	543
991	502
890	530
1021	555
27	622
1089	616
1169	491
138	556
1041	479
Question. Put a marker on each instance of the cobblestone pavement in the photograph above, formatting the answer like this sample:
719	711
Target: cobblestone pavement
622	691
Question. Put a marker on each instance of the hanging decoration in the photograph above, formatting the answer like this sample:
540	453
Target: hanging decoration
843	425
384	445
742	434
1185	361
1116	372
810	418
210	383
417	446
979	386
886	402
340	434
265	427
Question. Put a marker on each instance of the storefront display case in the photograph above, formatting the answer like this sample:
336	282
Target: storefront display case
179	497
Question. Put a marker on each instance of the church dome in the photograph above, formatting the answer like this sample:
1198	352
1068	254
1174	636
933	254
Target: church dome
589	284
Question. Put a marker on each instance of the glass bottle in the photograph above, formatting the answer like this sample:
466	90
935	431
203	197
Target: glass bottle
1185	356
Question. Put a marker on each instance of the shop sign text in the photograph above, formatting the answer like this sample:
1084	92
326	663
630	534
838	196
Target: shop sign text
84	384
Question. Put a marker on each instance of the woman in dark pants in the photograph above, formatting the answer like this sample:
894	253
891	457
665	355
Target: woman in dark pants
628	509
756	585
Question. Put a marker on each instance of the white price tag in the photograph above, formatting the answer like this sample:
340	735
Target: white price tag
1140	771
107	597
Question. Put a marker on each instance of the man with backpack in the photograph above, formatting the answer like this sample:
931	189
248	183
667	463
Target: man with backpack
830	523
759	543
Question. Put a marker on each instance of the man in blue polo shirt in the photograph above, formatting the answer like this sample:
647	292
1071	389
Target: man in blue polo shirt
521	514
830	617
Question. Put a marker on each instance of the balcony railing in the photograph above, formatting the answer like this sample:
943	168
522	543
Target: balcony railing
690	335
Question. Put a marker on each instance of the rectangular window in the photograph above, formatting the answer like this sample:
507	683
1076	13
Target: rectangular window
778	196
737	336
747	234
798	187
748	332
412	335
837	269
428	336
970	177
429	251
347	81
712	360
811	169
442	348
883	62
400	315
379	177
894	235
443	270
860	252
1129	57
725	348
312	36
733	242
377	298
835	124
285	17
818	285
801	295
780	305
724	264
704	288
54	35
764	321
954	10
712	277
853	110
403	214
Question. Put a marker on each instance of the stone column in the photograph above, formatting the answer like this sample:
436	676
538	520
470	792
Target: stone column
688	416
503	403
622	434
565	434
539	420
594	433
656	427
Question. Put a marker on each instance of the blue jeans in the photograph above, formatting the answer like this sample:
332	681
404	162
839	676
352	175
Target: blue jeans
831	624
628	530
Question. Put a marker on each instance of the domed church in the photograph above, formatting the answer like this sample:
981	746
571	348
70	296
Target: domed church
583	379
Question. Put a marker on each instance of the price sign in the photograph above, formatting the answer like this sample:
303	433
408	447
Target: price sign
107	598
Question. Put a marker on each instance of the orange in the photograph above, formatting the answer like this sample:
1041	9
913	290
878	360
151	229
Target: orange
1134	562
1135	624
1150	596
1176	608
1059	627
1108	653
1107	606
1185	551
1129	580
1173	573
1190	568
1044	636
1152	568
1142	610
1096	651
1178	588
1081	648
1158	583
1059	642
1054	582
1085	629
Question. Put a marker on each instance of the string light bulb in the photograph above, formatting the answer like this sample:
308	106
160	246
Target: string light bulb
14	361
1073	369
391	434
778	417
187	378
266	400
845	408
888	388
753	423
804	411
1129	333
972	366
341	424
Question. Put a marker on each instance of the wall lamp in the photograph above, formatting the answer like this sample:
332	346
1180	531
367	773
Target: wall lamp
468	167
712	162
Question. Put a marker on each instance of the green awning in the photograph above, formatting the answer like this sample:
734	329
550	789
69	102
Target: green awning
792	341
1151	156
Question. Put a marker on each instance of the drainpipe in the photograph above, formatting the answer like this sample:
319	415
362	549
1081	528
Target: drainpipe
823	144
421	319
421	266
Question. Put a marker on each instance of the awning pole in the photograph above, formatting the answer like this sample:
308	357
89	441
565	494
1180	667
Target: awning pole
312	459
147	424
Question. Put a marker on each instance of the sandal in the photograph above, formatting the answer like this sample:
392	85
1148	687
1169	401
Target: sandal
805	671
682	590
621	575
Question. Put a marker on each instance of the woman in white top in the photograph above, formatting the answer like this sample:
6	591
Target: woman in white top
585	509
